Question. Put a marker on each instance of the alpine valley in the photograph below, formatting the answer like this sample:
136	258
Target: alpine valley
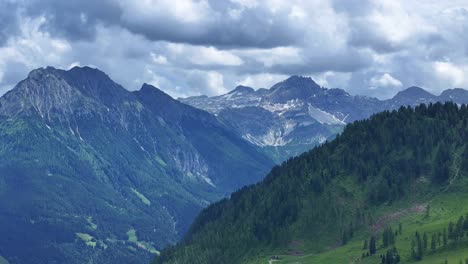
91	172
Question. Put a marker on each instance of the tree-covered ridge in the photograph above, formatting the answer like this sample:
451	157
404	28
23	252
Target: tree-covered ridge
332	189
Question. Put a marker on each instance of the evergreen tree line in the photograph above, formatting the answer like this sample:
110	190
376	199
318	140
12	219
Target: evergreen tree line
392	257
388	239
453	234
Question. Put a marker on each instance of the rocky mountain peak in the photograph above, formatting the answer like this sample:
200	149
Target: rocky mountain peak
155	98
150	90
293	88
96	84
87	73
41	72
44	91
57	94
242	89
301	81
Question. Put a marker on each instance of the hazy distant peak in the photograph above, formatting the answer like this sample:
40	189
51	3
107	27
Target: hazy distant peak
242	89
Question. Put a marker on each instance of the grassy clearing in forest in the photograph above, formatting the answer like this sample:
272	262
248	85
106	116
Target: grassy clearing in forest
447	206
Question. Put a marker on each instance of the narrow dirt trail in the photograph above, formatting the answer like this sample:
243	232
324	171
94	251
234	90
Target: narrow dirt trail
383	220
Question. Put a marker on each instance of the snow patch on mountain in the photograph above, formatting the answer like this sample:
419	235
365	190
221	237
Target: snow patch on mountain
324	117
273	137
280	108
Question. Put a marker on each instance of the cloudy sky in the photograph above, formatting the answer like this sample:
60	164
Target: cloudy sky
192	47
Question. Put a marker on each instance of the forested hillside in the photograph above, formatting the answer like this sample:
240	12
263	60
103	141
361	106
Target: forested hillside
376	173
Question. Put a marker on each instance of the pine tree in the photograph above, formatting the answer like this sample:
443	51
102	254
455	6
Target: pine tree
464	163
465	224
425	241
440	170
344	240
433	242
388	237
419	246
459	228
391	257
385	237
372	246
451	231
445	239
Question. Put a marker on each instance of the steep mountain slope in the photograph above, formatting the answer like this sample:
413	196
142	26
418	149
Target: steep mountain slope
301	113
90	172
376	171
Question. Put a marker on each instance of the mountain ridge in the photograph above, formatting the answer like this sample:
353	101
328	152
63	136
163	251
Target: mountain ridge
305	113
94	172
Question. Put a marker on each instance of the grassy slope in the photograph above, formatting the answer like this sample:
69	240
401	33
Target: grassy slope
447	206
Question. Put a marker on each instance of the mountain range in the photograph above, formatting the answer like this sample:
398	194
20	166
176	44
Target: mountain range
296	114
91	172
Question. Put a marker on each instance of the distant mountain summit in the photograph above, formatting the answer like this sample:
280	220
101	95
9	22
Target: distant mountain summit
293	88
297	114
412	96
458	95
242	89
58	95
414	93
91	172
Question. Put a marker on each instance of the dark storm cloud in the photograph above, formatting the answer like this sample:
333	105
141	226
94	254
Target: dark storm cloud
188	47
8	21
224	24
75	20
254	29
